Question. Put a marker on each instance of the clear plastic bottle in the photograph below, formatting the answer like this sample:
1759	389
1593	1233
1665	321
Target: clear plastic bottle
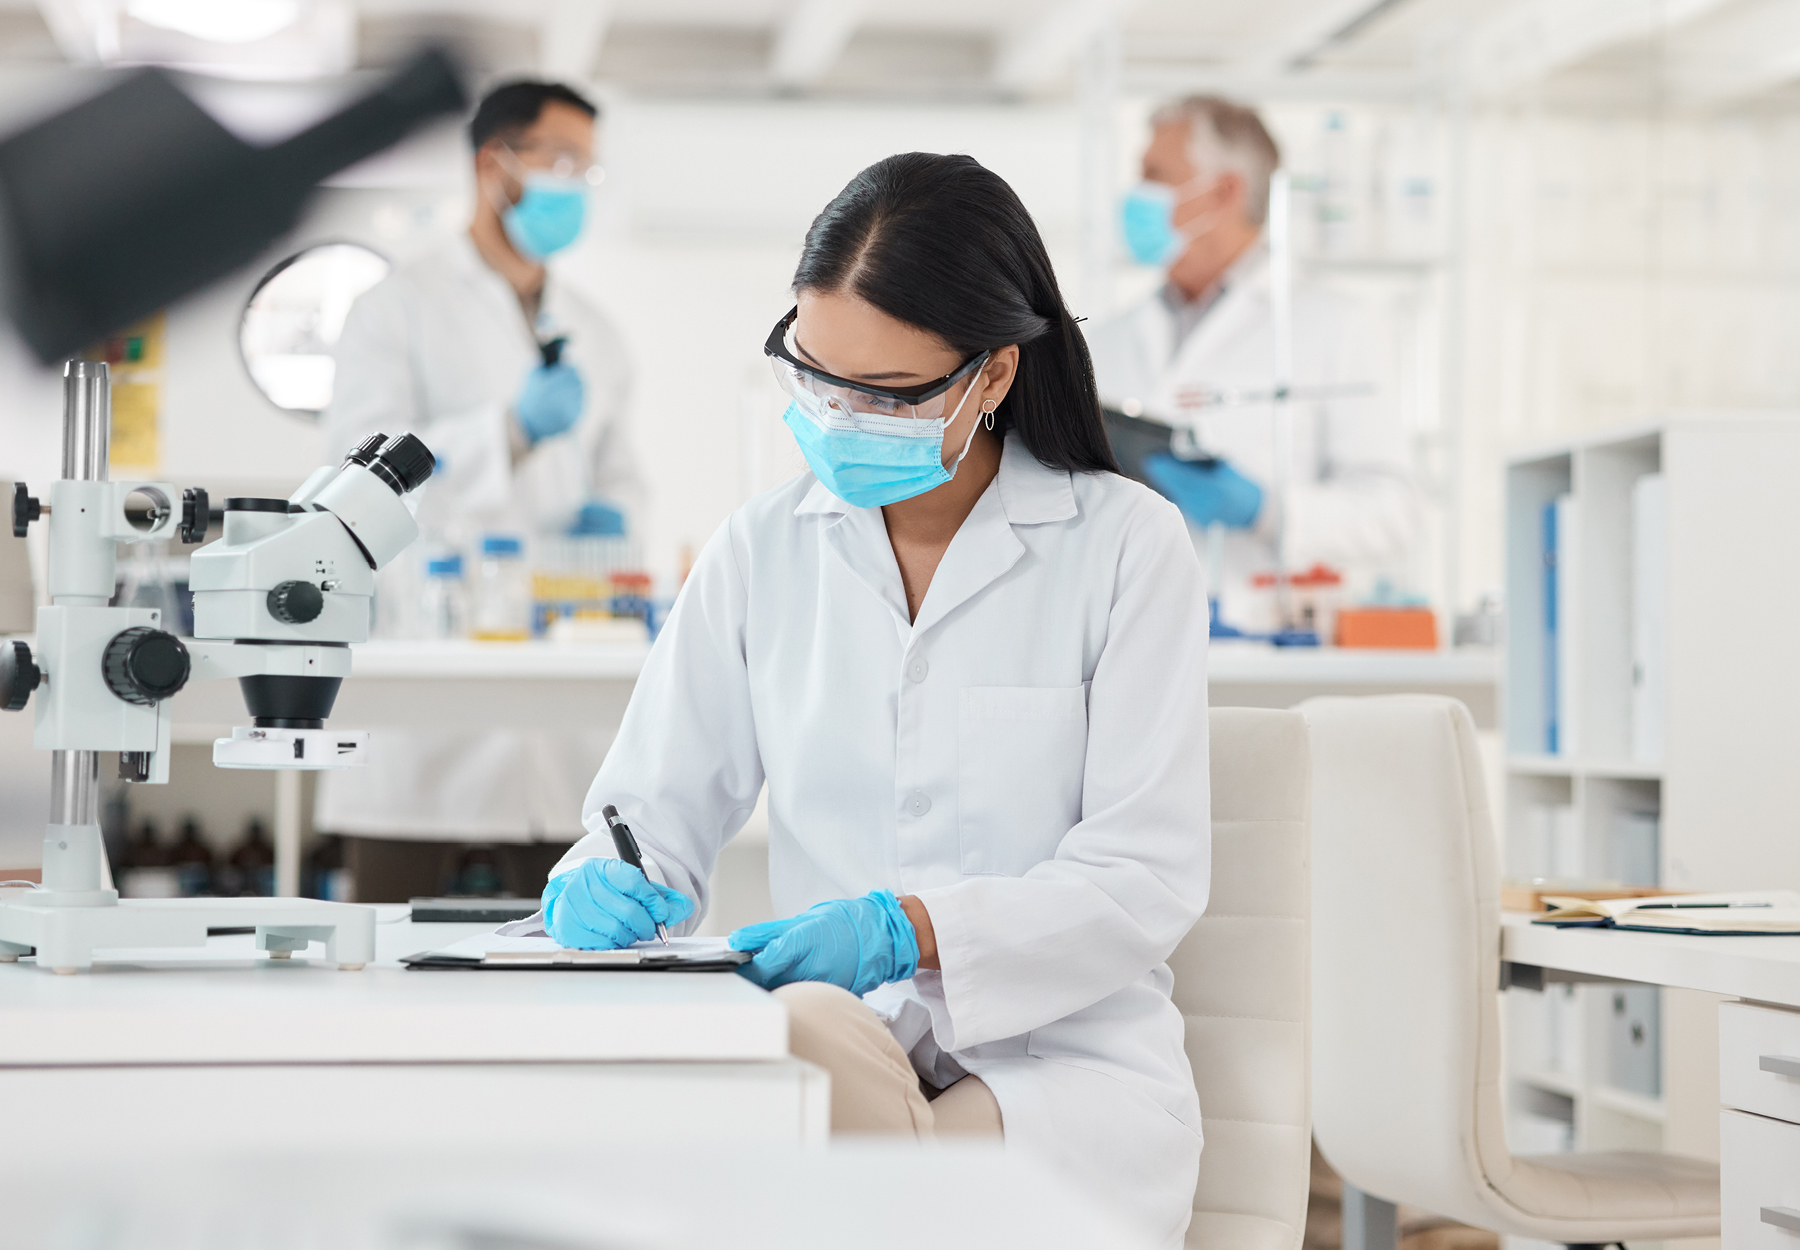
441	601
502	610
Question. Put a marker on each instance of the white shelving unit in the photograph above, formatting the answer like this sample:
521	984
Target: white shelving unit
1718	788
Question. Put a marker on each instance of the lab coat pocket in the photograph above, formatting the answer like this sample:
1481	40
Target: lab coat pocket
1020	755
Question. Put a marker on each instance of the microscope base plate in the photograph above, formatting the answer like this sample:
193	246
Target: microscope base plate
66	938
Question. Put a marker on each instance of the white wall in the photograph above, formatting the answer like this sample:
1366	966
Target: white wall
1621	266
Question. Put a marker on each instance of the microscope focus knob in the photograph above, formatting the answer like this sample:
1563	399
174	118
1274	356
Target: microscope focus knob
145	665
18	675
25	509
196	515
296	603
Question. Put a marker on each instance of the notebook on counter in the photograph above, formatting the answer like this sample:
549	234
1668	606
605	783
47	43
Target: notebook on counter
1744	912
487	952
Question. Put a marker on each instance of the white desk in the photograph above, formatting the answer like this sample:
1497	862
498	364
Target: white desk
1759	1051
225	1044
1764	969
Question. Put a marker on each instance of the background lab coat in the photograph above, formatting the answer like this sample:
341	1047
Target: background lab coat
1353	504
441	348
1029	757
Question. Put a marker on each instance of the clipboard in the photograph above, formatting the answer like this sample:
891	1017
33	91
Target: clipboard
579	961
536	951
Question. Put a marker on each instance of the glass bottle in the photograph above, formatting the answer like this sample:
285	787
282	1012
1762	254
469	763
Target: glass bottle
326	875
192	860
502	608
441	606
253	862
151	873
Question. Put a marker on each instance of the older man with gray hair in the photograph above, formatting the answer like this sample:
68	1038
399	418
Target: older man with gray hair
1199	354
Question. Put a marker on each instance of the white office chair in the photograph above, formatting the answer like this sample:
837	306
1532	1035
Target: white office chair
1241	983
1407	1098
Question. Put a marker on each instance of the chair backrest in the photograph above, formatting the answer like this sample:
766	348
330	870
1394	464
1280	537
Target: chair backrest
1406	953
1241	983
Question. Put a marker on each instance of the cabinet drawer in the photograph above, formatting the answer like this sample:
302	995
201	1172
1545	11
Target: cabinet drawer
1759	1183
1759	1061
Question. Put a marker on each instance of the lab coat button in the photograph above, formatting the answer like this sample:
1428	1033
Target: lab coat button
917	669
918	802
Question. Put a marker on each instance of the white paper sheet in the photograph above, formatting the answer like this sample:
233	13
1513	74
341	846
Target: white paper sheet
524	945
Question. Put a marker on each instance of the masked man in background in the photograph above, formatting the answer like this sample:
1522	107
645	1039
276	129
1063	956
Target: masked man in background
1199	353
519	385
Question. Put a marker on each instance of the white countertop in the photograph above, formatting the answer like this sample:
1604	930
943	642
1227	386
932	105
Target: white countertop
1228	662
1763	968
228	1003
1350	666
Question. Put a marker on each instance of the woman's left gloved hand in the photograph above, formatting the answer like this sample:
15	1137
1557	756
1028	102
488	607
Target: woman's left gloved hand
856	943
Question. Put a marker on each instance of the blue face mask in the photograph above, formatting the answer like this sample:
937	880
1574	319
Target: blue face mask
1148	216
548	216
870	461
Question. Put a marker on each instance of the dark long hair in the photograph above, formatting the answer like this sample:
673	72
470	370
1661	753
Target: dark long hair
942	243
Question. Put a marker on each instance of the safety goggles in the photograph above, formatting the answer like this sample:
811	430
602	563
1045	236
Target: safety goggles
822	394
558	163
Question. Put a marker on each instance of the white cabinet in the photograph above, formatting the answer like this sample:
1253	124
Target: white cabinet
1759	1129
1759	1061
1644	719
1759	1181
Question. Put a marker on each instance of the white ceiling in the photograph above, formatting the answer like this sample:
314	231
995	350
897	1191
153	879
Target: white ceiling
1706	52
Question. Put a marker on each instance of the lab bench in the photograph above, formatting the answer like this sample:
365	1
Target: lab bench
547	685
224	1045
553	686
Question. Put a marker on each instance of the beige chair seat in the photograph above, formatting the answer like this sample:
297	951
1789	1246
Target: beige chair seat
1608	1187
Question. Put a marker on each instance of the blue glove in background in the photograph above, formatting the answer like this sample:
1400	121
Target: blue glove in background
1206	492
604	904
598	519
550	402
856	943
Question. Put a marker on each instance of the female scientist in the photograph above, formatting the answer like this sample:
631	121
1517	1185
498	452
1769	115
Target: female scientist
969	659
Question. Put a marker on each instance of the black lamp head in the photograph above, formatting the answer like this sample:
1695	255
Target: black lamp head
136	197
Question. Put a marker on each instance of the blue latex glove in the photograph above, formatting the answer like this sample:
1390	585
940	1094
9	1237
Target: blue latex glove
1206	492
604	904
856	943
598	519
550	401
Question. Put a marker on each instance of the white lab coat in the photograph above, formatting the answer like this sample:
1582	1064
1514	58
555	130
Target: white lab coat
1351	501
441	347
1029	757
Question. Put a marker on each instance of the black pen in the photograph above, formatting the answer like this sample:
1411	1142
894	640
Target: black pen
628	851
1693	906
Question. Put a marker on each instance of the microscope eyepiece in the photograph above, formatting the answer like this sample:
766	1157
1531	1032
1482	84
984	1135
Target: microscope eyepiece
405	463
366	450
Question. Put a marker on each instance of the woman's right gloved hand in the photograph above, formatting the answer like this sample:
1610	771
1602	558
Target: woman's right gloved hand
605	904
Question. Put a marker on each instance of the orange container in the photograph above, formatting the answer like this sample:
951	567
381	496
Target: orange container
1408	628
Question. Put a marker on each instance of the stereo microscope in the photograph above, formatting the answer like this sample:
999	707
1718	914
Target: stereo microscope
278	600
